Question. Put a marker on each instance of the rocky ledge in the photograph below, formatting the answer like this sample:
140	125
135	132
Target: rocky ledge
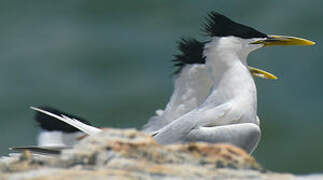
130	154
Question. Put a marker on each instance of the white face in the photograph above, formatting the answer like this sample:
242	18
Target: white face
230	46
238	45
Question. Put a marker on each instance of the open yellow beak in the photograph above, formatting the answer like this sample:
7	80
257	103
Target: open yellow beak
276	40
261	73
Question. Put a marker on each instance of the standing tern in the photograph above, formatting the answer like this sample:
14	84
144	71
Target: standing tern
192	84
229	113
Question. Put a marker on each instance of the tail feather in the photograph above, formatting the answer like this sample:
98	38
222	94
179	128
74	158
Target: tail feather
90	130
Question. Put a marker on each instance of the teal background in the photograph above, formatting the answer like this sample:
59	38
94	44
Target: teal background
109	61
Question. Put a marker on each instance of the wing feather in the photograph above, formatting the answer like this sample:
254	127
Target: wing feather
90	130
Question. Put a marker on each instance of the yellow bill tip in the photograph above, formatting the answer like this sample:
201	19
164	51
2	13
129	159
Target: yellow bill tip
290	40
277	40
261	73
271	76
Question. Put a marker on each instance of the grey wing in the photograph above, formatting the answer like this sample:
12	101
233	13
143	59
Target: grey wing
177	131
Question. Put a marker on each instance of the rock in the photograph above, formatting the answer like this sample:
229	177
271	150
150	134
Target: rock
130	154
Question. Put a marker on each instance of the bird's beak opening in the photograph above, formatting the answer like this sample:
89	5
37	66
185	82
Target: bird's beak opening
276	40
261	73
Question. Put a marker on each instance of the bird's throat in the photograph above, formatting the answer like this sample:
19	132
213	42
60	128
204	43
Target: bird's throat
232	81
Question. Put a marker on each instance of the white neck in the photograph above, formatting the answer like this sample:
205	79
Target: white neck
227	62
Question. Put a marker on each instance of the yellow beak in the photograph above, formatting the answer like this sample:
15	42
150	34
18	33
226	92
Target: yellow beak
275	40
261	73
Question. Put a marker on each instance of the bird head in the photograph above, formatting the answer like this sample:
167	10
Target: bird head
233	37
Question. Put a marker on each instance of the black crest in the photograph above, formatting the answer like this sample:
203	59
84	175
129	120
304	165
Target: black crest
221	26
52	124
191	52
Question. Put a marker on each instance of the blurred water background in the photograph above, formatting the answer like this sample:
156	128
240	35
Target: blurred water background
110	62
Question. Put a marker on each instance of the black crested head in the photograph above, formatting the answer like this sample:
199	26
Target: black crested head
221	26
49	123
191	52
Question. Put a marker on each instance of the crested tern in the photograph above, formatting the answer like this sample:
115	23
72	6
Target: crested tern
192	84
229	113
